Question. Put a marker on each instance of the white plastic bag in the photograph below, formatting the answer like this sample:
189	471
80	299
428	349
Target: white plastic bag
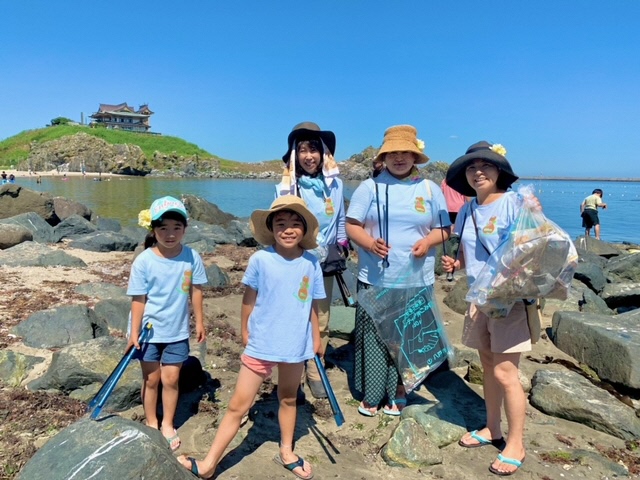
537	259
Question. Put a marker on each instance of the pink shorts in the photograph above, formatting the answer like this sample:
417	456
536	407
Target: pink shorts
508	334
261	367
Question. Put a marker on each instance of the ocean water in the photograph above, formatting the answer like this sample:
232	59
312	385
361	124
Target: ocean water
123	197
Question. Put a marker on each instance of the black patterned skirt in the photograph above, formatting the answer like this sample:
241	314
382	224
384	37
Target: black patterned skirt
376	375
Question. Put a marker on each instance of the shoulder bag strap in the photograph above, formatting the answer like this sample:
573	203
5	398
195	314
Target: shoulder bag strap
475	225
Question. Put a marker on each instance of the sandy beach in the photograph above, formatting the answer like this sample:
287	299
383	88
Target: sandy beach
55	173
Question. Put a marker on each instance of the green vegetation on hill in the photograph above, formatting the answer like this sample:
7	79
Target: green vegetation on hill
15	149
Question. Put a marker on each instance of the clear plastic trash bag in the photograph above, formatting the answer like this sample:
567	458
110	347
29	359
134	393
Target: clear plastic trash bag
536	259
410	324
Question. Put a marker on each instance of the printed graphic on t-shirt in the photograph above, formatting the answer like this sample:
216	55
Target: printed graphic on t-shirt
303	291
186	282
420	205
490	227
329	209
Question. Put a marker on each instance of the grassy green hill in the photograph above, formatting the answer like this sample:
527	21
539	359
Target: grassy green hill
16	148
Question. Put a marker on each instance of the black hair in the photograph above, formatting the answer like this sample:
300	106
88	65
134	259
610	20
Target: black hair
599	191
503	182
314	142
150	239
272	215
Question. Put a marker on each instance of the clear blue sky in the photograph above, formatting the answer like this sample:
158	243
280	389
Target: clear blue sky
556	82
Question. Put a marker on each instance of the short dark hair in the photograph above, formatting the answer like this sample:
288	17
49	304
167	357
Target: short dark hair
314	142
272	215
598	191
150	239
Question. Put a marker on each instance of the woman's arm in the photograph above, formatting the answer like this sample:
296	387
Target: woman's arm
359	236
433	238
248	302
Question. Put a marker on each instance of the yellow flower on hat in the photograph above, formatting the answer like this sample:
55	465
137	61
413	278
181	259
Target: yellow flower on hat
144	219
420	144
499	149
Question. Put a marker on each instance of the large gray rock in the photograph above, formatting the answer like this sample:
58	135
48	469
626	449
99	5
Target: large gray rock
64	208
598	247
14	367
204	211
216	277
31	254
624	268
621	295
114	312
570	396
102	290
16	200
240	231
591	275
580	299
112	448
410	447
80	369
105	242
74	226
442	423
108	224
610	345
41	231
455	298
12	235
59	327
342	322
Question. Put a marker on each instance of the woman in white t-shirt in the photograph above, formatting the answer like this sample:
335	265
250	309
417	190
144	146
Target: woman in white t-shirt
395	219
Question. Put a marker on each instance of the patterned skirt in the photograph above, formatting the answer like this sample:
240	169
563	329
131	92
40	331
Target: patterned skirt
376	375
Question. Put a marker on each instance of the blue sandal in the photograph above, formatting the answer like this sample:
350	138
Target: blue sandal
293	465
395	402
510	461
499	443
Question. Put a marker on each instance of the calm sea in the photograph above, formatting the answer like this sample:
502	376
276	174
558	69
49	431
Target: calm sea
123	197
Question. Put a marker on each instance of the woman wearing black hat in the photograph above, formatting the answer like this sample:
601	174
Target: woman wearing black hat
312	174
485	173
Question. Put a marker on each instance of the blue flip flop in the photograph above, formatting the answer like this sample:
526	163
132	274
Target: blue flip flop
194	468
366	412
510	461
499	443
397	402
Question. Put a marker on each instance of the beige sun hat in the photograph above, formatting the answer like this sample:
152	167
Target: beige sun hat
263	233
402	138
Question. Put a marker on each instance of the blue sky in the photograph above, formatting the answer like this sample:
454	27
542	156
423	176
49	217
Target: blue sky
556	82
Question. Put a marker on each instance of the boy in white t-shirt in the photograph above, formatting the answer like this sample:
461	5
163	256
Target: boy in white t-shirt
279	319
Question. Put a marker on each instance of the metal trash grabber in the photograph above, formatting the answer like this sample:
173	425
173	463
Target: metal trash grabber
337	413
347	298
96	404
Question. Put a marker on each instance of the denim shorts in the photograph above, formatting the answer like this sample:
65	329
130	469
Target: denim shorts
165	353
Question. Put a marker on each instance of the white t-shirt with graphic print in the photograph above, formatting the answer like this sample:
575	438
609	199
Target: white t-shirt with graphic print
494	222
280	323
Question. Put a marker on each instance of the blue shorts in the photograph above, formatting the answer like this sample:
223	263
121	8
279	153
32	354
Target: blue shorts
165	353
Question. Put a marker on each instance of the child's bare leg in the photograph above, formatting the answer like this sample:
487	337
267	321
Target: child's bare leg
169	375
150	383
247	387
287	387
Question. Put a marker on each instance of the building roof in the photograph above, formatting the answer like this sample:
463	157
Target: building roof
123	109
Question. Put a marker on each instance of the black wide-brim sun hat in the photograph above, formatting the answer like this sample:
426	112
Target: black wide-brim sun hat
457	173
308	130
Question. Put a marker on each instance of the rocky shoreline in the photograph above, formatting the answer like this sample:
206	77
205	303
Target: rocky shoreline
63	316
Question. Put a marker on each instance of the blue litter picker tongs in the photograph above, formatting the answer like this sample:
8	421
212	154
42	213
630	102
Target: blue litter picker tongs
96	404
337	413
